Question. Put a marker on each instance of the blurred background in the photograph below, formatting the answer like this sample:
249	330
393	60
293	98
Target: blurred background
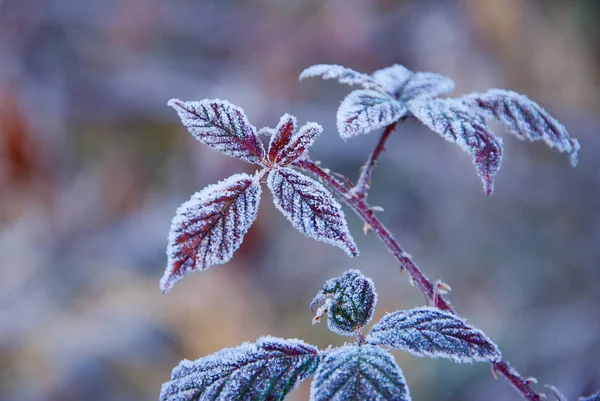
93	165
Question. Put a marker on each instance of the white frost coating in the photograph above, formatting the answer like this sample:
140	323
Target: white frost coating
363	111
433	333
221	126
355	372
267	370
406	85
349	300
289	144
210	227
342	74
456	123
311	208
524	118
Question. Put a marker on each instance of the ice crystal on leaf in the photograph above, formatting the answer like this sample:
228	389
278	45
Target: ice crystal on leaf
221	126
265	371
524	118
406	85
210	227
364	110
342	74
288	144
350	301
355	372
457	124
311	208
433	333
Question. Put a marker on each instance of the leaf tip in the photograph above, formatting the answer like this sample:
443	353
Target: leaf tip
573	157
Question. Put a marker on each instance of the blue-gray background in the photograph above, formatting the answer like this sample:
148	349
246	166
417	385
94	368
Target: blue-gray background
93	165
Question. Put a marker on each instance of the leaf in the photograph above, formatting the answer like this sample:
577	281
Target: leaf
457	124
406	85
311	208
525	118
355	372
221	126
210	227
434	333
593	397
557	393
363	111
342	74
267	370
350	301
288	144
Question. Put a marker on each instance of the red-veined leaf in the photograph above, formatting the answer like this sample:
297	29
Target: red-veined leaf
288	144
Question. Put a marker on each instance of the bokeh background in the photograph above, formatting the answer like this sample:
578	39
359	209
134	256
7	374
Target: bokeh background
93	165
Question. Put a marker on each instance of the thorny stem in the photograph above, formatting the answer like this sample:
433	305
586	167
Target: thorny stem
356	199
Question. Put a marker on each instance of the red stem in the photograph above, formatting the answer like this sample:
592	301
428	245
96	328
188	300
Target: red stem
356	198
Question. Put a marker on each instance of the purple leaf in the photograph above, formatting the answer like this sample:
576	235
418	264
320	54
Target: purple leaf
363	111
593	397
350	301
221	126
342	74
406	85
288	144
311	208
457	124
434	333
265	371
210	227
355	372
524	118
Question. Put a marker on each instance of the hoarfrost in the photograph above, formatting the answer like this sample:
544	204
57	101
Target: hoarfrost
406	85
288	144
221	126
266	370
355	372
434	333
350	301
457	124
524	118
363	111
210	227
342	74
311	208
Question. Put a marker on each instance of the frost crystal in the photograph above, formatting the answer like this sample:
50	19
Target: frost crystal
524	118
457	124
363	111
406	85
342	74
221	126
210	227
433	333
350	301
311	208
593	397
265	371
287	144
355	372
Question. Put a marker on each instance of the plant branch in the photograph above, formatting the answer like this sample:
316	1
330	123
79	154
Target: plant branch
355	198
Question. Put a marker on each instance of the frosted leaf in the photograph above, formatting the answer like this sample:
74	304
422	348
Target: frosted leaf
354	372
434	333
210	227
593	397
457	124
406	85
311	208
350	301
288	144
267	370
363	111
221	126
342	74
525	118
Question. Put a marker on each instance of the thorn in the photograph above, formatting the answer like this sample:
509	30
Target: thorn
318	162
494	372
326	170
406	255
531	380
362	168
410	280
319	314
377	208
442	288
366	228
